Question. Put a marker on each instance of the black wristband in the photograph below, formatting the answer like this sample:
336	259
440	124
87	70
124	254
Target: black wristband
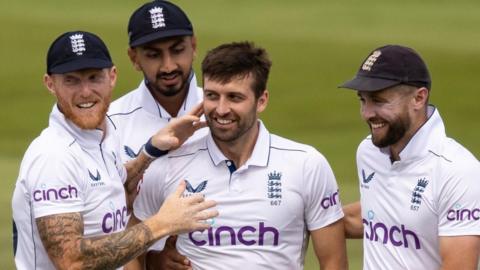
153	151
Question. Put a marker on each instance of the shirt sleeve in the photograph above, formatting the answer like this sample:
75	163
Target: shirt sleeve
55	185
151	190
459	202
323	206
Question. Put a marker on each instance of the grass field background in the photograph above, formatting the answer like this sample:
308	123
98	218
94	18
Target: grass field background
315	45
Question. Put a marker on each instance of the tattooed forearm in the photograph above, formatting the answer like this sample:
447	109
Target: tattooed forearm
62	237
117	249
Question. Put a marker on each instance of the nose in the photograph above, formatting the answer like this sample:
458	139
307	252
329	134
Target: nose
85	89
367	110
223	107
168	63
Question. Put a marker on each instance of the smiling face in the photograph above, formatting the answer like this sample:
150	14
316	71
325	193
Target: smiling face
166	64
231	109
389	114
83	96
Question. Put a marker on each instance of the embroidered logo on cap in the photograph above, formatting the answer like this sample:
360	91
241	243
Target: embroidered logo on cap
367	66
78	44
156	15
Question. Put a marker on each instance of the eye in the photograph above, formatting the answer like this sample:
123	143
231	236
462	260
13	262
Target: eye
178	49
210	95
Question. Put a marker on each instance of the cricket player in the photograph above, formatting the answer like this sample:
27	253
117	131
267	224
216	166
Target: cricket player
162	47
420	197
69	204
272	193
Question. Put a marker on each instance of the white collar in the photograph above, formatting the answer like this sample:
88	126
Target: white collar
87	138
152	106
428	138
260	154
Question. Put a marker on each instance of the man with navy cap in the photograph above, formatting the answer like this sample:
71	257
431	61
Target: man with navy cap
69	204
420	203
162	47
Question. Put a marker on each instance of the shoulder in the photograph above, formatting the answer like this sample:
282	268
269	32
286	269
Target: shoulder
454	160
295	150
192	146
125	104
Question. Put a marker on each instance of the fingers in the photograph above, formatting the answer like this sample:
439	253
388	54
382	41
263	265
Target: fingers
180	189
197	110
200	124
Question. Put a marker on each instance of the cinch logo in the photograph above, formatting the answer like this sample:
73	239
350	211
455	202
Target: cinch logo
330	200
115	220
246	235
397	236
53	194
460	214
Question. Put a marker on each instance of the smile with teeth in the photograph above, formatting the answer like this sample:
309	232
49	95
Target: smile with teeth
86	105
377	125
224	121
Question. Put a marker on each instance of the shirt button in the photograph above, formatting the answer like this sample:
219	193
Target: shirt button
229	163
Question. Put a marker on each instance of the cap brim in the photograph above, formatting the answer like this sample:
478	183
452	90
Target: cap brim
363	83
81	64
159	35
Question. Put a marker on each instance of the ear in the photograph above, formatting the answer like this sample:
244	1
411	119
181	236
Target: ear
420	98
113	76
262	101
194	46
49	84
133	55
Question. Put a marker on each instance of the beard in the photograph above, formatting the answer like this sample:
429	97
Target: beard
168	91
85	120
232	134
396	131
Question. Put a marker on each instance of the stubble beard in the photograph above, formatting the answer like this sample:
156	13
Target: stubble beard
396	131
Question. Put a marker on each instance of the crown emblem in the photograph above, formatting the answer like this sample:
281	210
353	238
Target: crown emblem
422	183
367	66
156	15
275	176
78	44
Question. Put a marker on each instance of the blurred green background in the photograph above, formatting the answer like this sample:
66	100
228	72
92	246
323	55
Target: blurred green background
315	45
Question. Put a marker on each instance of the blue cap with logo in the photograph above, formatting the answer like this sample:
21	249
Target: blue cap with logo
77	50
388	66
156	20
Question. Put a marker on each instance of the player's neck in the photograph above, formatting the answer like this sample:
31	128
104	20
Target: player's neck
171	104
240	150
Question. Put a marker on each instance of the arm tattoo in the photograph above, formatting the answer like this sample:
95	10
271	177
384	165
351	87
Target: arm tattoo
62	237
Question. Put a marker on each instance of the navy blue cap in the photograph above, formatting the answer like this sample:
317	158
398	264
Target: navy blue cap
77	50
388	66
156	20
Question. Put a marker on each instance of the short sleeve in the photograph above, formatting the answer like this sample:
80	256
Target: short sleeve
459	202
323	206
54	185
151	190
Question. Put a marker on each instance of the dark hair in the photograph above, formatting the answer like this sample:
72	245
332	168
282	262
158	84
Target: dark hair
238	60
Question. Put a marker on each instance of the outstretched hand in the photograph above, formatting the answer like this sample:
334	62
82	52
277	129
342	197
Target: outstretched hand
178	130
183	214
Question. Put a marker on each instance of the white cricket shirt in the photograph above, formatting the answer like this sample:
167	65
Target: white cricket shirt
137	116
65	170
267	206
432	191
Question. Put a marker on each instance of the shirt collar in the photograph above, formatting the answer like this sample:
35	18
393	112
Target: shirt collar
194	96
427	138
87	138
260	154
